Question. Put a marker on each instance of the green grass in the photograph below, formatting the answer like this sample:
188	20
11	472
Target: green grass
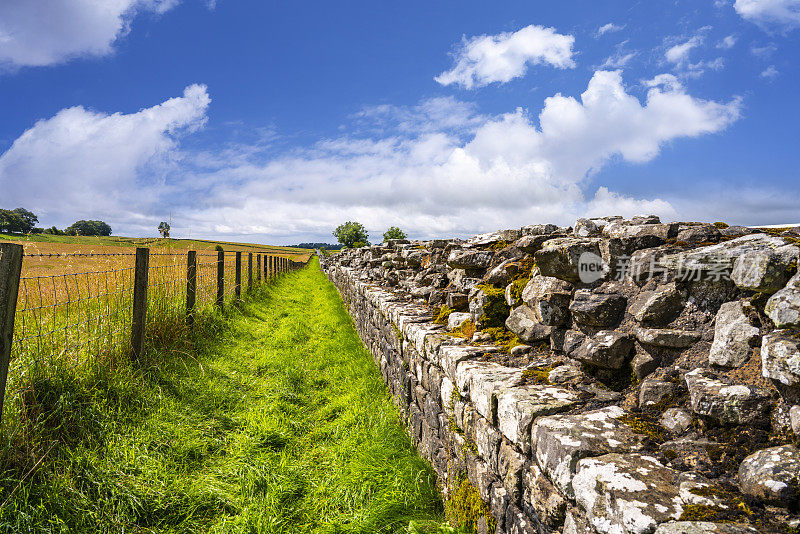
271	419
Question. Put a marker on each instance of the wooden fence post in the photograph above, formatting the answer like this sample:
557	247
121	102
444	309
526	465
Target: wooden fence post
271	267
249	271
238	276
10	270
140	277
191	285
258	268
220	280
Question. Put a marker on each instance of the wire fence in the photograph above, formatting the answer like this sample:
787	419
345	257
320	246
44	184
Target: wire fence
73	313
77	317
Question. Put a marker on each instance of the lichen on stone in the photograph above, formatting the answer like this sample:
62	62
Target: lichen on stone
397	333
645	425
465	508
496	310
523	276
504	337
442	315
466	330
539	375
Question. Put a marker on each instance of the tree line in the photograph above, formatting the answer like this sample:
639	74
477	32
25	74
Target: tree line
326	246
22	221
352	234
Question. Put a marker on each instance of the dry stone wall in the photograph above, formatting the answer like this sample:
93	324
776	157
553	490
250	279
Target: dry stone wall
618	376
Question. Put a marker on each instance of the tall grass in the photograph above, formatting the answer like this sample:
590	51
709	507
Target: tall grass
269	418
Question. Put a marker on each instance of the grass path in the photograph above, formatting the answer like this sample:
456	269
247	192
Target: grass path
281	424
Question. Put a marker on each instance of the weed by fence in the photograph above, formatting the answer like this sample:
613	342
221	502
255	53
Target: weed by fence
76	318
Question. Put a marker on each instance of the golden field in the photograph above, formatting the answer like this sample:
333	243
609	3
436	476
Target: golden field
80	288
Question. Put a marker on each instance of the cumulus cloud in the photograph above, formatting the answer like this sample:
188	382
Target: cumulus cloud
475	174
500	58
46	32
608	28
97	164
782	13
515	169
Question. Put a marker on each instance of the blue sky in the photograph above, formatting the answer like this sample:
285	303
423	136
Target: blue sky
275	121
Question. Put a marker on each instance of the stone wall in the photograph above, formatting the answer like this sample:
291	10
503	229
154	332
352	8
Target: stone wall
616	376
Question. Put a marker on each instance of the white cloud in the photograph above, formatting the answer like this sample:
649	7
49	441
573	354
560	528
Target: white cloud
84	164
508	170
679	53
433	114
770	72
727	42
607	202
695	70
747	204
46	32
669	82
785	13
500	58
764	51
608	28
618	60
512	171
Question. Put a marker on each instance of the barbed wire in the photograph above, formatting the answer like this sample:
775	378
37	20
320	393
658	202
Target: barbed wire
74	254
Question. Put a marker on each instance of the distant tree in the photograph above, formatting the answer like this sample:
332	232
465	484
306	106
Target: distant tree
9	221
163	229
53	231
312	246
219	248
393	233
352	235
95	228
37	230
29	220
19	221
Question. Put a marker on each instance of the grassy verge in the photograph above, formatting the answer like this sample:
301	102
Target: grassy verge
272	419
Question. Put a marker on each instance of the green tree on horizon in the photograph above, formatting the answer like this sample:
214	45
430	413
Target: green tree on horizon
352	235
92	228
17	220
394	233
